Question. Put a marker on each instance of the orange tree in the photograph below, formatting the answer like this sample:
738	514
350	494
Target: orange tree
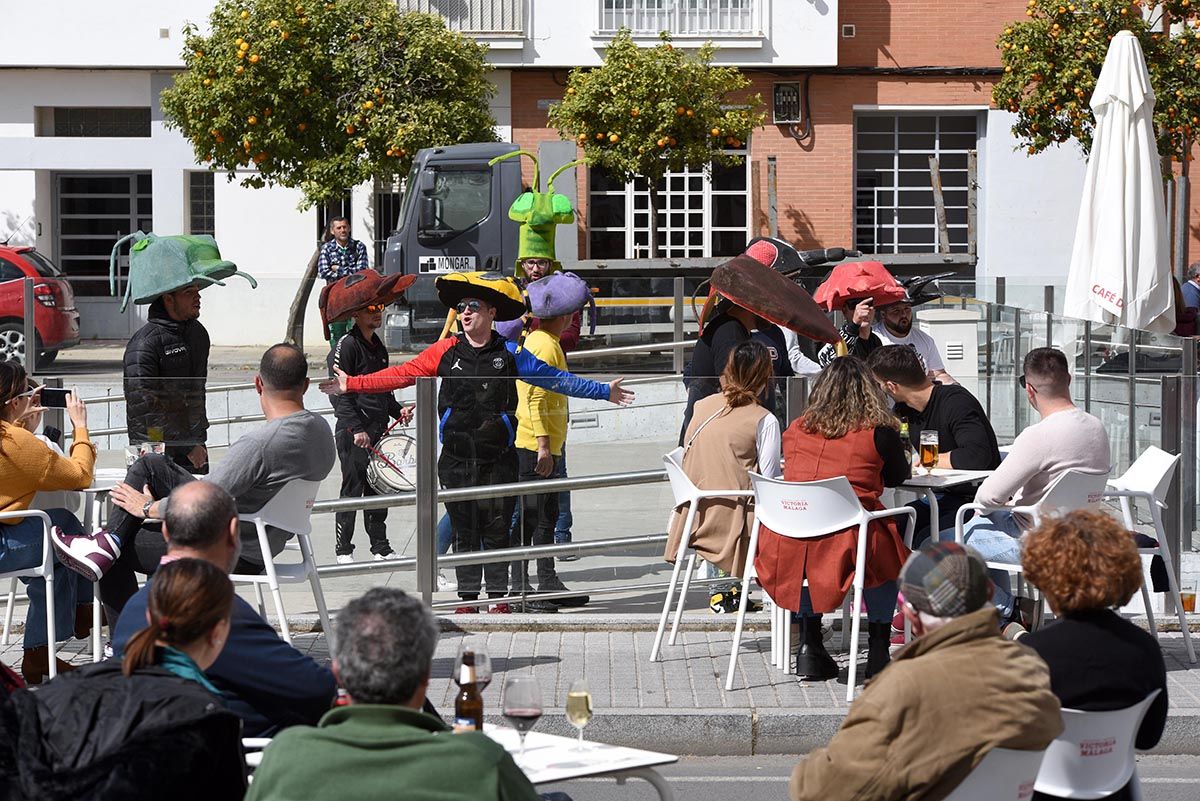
647	111
324	95
1053	58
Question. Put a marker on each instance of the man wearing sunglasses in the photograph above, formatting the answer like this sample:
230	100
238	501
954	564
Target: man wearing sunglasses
477	404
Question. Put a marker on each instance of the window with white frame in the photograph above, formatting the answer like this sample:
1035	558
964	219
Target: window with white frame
700	214
680	17
893	196
201	203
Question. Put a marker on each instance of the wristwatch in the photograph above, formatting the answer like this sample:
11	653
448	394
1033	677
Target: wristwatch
146	508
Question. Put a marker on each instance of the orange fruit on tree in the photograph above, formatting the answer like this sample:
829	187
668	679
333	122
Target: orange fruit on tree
302	127
671	141
614	138
283	34
239	69
254	58
245	15
715	132
243	45
241	54
599	136
252	120
208	81
370	104
690	113
349	129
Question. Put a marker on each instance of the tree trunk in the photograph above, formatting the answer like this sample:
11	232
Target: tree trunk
295	324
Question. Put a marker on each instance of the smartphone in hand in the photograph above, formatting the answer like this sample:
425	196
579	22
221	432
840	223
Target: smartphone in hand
54	398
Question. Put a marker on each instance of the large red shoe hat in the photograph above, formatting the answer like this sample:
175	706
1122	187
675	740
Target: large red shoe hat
367	288
857	280
752	281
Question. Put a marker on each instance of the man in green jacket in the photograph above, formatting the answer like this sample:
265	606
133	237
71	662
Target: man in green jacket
947	698
382	746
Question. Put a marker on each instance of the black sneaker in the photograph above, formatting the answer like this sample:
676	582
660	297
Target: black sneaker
535	607
555	585
735	597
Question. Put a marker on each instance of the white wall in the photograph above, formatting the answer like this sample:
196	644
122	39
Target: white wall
1029	205
77	33
265	234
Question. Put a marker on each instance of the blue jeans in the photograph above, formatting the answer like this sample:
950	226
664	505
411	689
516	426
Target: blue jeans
20	549
445	534
880	601
997	537
562	529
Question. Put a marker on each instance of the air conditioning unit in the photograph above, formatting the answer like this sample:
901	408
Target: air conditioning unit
787	103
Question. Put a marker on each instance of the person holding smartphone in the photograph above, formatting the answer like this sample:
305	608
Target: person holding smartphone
29	466
856	332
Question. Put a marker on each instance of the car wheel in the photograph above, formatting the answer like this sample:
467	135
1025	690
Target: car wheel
46	358
12	343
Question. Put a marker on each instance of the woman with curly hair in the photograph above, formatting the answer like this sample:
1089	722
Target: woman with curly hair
847	430
1086	564
729	435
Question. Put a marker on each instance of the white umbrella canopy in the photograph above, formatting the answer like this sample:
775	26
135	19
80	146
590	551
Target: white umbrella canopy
1120	263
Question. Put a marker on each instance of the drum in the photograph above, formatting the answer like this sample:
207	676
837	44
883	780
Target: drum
393	464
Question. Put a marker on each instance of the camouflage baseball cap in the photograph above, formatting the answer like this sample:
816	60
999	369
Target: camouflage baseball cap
945	579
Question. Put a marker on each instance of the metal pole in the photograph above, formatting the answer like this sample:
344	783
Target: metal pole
1182	190
972	203
1048	305
1187	418
990	310
1131	402
1018	356
939	205
427	487
1087	366
797	396
1172	433
677	354
30	329
772	196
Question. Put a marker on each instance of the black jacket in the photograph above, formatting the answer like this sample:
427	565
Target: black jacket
356	411
96	734
963	428
166	368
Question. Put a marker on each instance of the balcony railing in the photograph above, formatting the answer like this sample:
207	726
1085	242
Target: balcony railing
474	17
713	18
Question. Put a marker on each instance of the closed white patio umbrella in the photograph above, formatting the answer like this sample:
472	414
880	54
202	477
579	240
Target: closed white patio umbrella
1120	263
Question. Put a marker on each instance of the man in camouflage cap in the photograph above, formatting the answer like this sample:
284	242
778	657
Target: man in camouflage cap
948	697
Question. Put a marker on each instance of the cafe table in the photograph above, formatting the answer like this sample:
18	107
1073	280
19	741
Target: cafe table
549	758
938	480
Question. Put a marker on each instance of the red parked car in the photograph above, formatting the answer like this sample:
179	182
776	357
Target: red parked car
55	316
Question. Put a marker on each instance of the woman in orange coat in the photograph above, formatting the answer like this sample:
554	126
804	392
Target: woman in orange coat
847	430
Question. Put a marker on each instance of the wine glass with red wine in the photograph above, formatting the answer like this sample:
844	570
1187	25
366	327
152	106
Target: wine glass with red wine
522	705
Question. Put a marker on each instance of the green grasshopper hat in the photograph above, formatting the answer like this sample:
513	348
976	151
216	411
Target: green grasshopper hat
539	214
159	265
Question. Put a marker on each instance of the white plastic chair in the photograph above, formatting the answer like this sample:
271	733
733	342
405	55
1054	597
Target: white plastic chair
290	510
686	493
807	510
1148	479
1003	774
45	571
1073	490
1094	756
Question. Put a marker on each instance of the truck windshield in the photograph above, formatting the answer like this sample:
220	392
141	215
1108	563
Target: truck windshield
461	200
407	188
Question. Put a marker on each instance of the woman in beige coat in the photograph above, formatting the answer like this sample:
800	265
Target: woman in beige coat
730	434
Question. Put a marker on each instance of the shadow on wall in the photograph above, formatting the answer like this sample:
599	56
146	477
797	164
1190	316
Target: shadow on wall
873	22
802	233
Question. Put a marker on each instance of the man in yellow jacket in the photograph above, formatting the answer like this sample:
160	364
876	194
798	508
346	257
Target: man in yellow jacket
946	699
542	433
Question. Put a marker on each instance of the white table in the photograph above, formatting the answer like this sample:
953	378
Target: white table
942	478
549	758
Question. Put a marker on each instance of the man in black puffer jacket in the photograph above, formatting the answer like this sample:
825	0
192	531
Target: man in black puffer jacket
166	368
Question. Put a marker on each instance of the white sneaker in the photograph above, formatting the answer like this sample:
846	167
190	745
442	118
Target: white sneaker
90	555
383	557
345	559
445	584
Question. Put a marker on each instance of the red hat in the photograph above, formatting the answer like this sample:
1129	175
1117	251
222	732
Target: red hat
746	281
356	291
857	280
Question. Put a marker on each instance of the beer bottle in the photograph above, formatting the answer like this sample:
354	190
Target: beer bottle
906	441
468	705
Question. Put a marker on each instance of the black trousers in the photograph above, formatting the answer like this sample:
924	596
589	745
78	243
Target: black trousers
481	525
142	544
354	485
538	518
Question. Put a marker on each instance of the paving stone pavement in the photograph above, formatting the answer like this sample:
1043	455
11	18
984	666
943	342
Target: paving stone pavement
679	704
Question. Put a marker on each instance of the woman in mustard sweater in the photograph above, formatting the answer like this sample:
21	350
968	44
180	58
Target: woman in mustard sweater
27	466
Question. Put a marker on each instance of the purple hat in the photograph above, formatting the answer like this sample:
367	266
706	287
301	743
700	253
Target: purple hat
560	293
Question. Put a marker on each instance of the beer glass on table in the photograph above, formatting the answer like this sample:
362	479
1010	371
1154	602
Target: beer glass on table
522	705
929	450
579	708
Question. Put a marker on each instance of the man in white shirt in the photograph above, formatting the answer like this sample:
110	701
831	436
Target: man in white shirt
1066	438
894	326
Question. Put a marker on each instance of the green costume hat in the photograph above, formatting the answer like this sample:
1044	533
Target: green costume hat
159	265
539	214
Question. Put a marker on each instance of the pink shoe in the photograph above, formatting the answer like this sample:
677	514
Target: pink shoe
897	634
89	555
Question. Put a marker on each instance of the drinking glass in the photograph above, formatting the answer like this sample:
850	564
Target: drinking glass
579	708
929	449
522	705
1187	598
483	665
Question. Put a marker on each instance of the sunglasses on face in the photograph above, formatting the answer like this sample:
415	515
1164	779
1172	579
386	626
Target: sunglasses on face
471	305
374	307
1021	380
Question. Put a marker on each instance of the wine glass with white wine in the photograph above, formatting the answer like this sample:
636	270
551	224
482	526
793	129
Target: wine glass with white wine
579	708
